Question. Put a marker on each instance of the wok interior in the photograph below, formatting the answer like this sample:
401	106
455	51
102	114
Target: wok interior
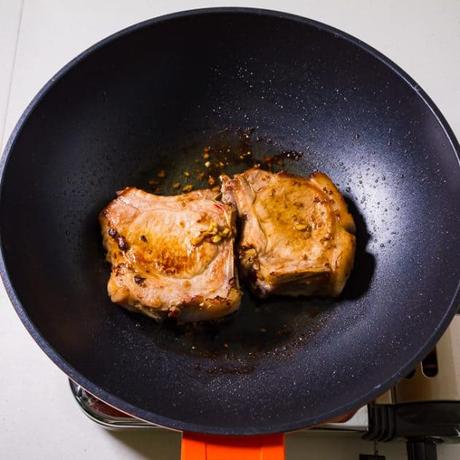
152	99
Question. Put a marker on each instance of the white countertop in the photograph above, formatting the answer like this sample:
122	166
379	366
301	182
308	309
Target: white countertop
38	417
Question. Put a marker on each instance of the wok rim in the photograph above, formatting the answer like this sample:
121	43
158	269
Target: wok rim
175	424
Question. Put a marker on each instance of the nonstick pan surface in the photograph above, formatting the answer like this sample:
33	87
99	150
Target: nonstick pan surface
152	97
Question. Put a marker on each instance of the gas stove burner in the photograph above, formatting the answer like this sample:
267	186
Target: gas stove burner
423	408
111	418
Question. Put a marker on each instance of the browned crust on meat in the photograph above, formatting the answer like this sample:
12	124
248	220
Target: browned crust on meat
297	236
162	265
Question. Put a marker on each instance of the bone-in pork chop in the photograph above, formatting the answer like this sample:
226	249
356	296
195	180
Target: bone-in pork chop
297	236
171	255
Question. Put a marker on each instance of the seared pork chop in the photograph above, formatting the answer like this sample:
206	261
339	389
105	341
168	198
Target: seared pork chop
171	255
297	236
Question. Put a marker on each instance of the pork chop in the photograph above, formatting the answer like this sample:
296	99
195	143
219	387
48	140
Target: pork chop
297	236
171	255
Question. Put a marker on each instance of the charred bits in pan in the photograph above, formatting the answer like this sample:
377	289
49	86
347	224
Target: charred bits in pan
230	151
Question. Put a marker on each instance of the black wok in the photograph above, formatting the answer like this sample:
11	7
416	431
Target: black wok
150	98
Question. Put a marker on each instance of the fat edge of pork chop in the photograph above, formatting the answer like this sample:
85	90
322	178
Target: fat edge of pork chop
171	255
297	236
